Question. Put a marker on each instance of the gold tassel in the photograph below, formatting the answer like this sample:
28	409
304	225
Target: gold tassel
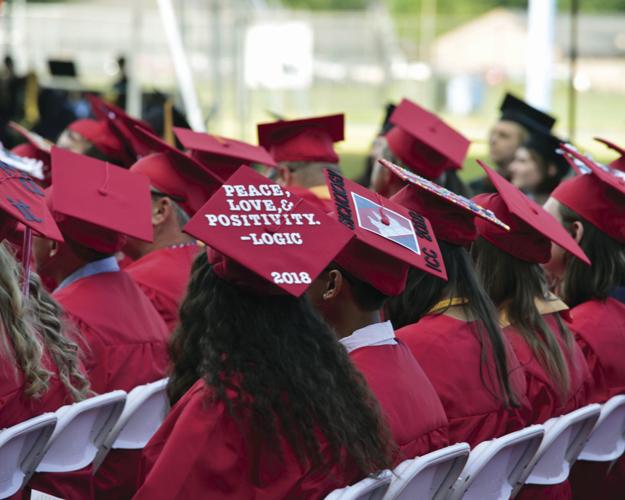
31	95
168	122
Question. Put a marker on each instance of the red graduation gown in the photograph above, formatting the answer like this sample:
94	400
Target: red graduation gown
163	275
412	408
200	451
449	353
600	332
124	342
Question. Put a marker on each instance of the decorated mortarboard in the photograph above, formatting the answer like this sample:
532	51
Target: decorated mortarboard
517	110
306	140
35	147
221	155
452	215
532	229
389	238
175	174
597	194
98	204
263	238
27	164
619	163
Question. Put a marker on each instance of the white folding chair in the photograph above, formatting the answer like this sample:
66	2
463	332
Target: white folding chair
370	488
80	429
495	466
144	411
565	437
607	440
21	448
430	476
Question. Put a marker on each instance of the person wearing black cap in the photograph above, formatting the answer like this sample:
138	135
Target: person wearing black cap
517	123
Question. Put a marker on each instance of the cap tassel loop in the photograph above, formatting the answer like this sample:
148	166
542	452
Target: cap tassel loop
383	217
103	188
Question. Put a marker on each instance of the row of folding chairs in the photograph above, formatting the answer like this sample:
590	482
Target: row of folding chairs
80	434
499	468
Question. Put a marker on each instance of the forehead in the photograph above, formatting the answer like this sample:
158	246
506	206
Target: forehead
507	126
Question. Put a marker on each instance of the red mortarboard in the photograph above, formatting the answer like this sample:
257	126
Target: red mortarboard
424	142
103	137
176	174
619	163
264	238
532	229
220	155
598	196
23	201
452	216
35	147
96	203
389	238
308	139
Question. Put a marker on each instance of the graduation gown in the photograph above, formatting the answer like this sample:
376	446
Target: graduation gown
163	275
410	404
600	332
449	352
200	451
124	342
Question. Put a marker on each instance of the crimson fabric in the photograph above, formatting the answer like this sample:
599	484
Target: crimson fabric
324	204
28	150
163	275
124	342
449	352
100	134
409	402
423	142
200	451
522	241
619	163
451	222
307	140
223	168
600	332
597	202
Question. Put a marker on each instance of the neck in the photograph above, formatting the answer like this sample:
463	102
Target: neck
356	321
162	241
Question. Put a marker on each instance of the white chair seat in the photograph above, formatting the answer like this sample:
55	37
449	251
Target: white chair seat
607	440
370	488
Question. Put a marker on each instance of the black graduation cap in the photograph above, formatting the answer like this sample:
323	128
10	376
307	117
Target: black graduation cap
548	146
386	124
517	110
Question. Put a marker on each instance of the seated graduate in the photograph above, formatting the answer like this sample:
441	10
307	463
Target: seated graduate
590	206
350	294
452	328
533	319
267	402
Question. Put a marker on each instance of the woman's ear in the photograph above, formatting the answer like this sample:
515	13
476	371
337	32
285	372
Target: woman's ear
334	285
577	231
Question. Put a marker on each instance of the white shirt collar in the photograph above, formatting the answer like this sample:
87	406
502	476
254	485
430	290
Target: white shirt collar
372	335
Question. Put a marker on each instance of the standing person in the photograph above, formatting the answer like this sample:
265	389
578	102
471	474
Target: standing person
591	208
452	328
516	124
421	142
533	319
350	294
179	187
97	205
303	150
267	403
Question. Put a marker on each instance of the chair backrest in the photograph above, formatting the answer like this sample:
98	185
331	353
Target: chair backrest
370	488
21	449
607	440
564	439
495	466
80	430
430	476
144	411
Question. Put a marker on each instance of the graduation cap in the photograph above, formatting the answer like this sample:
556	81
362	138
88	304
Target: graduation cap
36	147
597	195
175	174
423	142
389	238
221	155
532	229
548	147
265	239
308	139
517	110
619	163
98	204
386	123
102	136
452	215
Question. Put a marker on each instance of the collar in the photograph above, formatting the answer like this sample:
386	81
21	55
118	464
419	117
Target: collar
372	335
106	265
550	305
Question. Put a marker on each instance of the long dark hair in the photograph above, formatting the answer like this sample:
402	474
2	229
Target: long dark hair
513	285
424	290
582	283
286	368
